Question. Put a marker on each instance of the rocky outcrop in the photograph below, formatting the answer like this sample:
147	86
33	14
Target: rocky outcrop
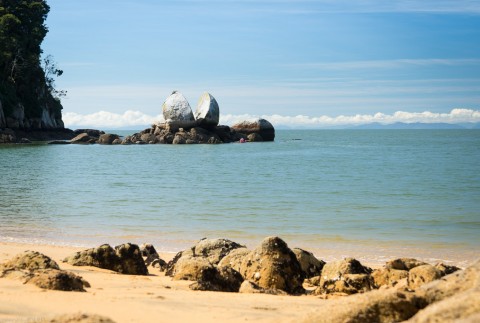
207	114
38	269
347	276
388	277
206	275
218	279
409	272
7	136
3	122
31	261
455	297
17	119
91	132
125	259
107	139
182	127
234	258
421	275
58	280
311	266
260	127
273	265
164	134
248	287
200	263
83	138
76	318
206	252
151	257
404	263
380	306
215	249
177	111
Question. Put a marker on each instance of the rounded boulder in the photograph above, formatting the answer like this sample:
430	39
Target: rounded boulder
177	111
261	127
207	113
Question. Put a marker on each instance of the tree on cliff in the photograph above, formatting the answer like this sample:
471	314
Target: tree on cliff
22	77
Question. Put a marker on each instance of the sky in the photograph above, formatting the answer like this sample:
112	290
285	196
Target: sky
296	63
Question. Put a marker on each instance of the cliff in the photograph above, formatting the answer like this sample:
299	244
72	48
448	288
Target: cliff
28	98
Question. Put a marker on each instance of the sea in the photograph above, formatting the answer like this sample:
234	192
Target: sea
368	194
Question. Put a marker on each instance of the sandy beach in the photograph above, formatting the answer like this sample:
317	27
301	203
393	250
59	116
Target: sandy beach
116	297
125	298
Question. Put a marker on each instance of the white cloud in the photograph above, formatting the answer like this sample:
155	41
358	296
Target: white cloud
135	119
104	119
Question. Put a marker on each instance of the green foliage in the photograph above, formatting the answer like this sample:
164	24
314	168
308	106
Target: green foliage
23	80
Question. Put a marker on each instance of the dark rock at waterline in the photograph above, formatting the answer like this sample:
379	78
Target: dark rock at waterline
261	127
59	142
11	136
83	138
91	132
107	138
125	259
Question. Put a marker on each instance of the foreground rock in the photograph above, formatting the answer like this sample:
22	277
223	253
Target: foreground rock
404	264
58	280
347	276
35	268
125	259
207	252
311	266
389	277
218	279
409	272
375	306
200	264
77	318
31	261
234	258
152	258
261	129
455	297
273	265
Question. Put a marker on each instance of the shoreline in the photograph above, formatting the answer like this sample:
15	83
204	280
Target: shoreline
129	298
154	297
373	254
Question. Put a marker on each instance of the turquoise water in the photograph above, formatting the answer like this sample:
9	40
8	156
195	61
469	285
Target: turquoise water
373	194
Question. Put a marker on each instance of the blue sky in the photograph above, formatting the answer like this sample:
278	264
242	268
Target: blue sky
287	60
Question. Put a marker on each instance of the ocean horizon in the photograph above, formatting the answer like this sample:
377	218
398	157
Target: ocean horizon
370	194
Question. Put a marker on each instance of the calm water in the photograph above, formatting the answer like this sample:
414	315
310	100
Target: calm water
370	194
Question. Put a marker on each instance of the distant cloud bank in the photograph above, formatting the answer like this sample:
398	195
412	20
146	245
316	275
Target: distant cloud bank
135	119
